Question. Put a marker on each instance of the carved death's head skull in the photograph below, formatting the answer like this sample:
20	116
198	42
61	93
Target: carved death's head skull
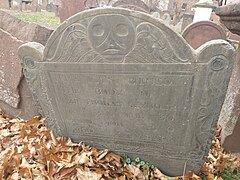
112	36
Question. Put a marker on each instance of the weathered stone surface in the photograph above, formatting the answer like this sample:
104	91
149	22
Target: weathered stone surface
232	1
166	18
10	69
122	80
230	114
137	5
230	17
4	4
26	108
23	30
196	34
187	19
69	8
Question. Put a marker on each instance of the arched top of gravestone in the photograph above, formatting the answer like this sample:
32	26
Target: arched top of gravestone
116	35
198	33
137	5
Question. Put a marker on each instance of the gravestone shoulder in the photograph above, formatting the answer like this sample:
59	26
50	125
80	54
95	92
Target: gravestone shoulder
30	53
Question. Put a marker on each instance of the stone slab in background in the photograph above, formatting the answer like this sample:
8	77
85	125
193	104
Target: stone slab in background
196	34
22	30
10	69
4	4
26	108
117	79
14	32
229	16
232	2
230	115
187	19
69	8
137	5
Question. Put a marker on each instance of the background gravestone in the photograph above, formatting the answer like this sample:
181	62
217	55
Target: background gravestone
156	15
117	79
9	62
137	5
69	8
196	34
166	19
4	4
187	19
229	16
26	31
230	115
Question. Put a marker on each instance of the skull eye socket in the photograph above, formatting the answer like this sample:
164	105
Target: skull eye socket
121	30
98	30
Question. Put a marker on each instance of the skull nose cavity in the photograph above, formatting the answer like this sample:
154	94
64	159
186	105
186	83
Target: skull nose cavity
111	42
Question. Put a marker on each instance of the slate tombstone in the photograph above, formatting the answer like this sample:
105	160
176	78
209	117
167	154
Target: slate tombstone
187	19
137	5
198	33
156	15
69	8
122	80
4	4
10	69
230	115
166	19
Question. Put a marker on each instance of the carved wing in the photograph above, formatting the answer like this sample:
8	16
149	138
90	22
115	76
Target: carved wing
152	46
73	46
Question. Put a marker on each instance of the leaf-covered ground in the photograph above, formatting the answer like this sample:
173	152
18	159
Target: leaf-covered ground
29	150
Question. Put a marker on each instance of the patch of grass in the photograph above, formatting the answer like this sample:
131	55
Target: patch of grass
230	174
136	162
42	18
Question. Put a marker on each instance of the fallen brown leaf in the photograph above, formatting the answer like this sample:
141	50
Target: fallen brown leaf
29	150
